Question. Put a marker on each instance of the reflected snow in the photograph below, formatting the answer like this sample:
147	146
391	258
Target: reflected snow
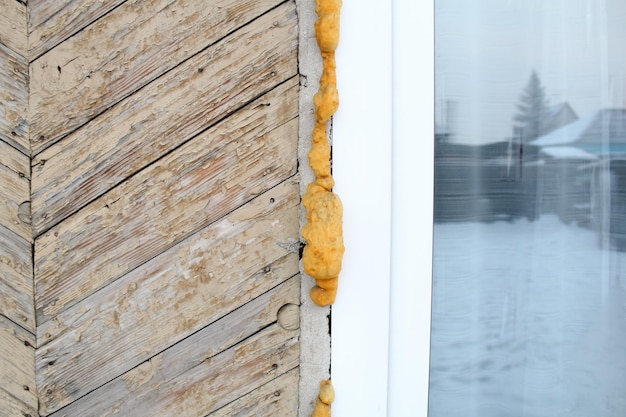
529	319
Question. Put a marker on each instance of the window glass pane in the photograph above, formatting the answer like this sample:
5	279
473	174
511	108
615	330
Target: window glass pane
529	269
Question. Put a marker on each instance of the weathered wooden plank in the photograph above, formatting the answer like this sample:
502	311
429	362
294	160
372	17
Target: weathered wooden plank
13	99
229	375
121	52
12	407
220	379
17	363
14	206
39	11
14	160
163	115
182	290
16	279
13	26
276	398
137	384
200	182
51	22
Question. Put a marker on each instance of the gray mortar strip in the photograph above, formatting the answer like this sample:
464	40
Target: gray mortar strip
314	323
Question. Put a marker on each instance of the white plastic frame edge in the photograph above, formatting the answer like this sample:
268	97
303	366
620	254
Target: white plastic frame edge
383	164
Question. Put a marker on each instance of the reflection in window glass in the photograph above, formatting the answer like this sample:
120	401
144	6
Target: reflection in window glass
529	285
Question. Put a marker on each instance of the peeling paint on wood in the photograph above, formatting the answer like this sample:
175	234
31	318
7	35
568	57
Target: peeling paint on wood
13	32
145	382
51	22
163	115
13	98
121	52
17	366
187	287
188	189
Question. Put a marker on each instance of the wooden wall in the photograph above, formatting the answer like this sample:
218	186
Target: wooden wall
149	208
18	394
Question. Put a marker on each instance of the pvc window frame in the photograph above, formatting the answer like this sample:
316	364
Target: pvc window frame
383	165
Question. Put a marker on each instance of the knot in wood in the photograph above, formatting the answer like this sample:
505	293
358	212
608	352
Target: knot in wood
289	317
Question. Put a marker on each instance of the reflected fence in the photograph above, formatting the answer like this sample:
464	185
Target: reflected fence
507	181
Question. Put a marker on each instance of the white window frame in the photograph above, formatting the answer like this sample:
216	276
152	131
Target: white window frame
383	159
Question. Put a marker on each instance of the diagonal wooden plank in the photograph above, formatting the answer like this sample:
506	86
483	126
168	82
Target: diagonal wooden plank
13	26
16	279
227	376
200	182
17	366
40	11
14	198
14	160
276	398
163	115
220	379
12	407
51	22
180	291
121	52
138	383
13	99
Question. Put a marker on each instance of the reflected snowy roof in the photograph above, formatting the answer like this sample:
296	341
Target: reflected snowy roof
598	132
567	152
566	134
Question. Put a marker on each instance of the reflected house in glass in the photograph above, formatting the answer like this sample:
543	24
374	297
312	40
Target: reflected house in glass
492	181
558	115
586	163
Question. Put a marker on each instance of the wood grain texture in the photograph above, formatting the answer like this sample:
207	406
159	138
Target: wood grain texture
16	279
230	375
278	397
14	200
14	160
180	291
51	22
143	383
121	52
12	407
221	379
13	26
162	139
16	266
17	365
197	184
39	11
13	99
163	115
